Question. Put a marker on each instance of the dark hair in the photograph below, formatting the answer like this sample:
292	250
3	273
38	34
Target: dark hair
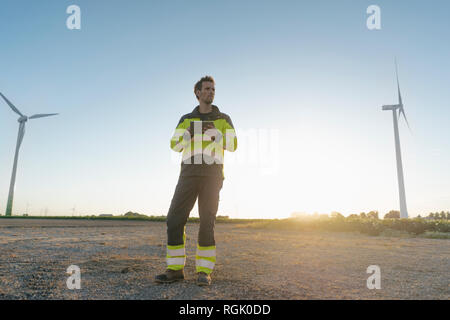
198	85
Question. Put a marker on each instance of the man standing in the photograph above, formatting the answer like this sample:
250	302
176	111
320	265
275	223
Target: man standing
203	143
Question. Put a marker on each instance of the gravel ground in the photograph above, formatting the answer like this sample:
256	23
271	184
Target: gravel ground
119	259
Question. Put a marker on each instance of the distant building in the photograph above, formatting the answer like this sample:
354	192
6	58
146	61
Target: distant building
105	215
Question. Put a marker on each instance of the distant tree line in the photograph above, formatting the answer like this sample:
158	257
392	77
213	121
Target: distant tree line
393	214
368	223
438	215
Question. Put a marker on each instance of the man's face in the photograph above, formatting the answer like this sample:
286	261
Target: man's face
206	94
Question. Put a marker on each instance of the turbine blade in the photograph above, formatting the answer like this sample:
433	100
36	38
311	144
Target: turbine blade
400	102
404	116
11	105
41	115
398	85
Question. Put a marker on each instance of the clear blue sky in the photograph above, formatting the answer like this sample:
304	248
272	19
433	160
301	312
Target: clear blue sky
310	70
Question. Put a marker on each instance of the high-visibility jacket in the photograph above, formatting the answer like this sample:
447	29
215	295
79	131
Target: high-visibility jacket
202	155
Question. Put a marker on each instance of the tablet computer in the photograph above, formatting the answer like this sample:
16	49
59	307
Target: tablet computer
201	124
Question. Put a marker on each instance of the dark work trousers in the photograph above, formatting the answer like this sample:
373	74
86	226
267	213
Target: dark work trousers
207	189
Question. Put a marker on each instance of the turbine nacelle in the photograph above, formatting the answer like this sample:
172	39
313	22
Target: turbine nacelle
391	107
22	119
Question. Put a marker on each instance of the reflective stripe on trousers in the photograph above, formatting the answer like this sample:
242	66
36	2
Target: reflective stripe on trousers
205	259
176	256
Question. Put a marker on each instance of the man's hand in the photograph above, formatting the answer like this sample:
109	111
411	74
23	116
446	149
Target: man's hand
207	127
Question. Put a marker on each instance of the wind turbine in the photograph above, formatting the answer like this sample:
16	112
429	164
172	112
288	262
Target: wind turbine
21	121
401	183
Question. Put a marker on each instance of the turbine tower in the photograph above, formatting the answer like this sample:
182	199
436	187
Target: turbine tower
22	120
401	183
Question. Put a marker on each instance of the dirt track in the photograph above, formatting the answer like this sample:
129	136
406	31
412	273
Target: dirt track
118	260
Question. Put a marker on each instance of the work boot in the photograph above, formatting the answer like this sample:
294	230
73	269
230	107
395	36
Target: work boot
170	276
203	279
